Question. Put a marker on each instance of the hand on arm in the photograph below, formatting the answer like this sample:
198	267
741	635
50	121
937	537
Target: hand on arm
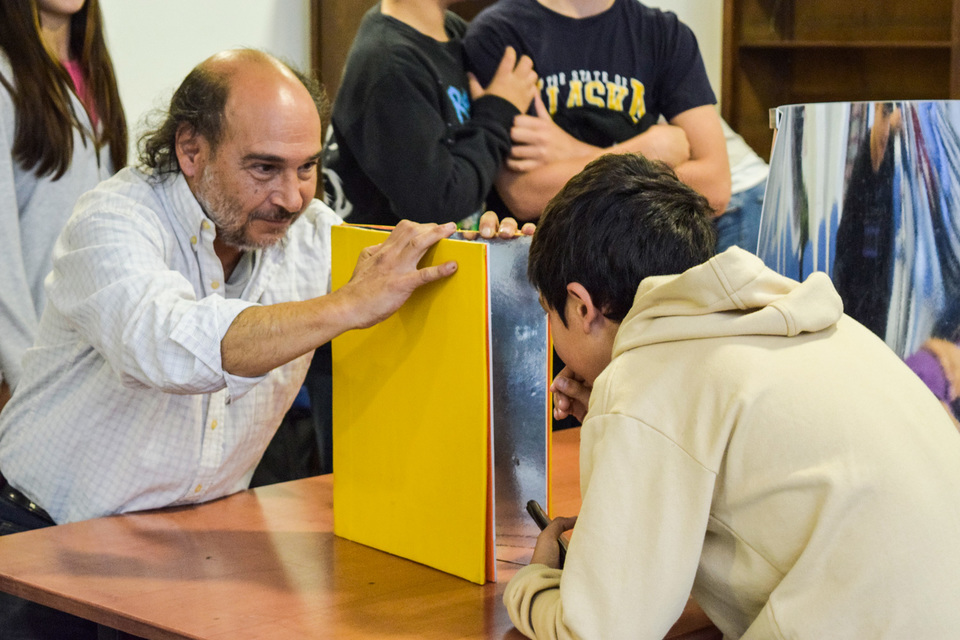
538	140
428	170
692	144
515	81
263	338
544	157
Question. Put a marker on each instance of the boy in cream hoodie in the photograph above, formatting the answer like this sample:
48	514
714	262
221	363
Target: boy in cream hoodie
744	440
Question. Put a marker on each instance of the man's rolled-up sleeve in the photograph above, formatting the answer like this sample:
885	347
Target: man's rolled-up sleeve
112	283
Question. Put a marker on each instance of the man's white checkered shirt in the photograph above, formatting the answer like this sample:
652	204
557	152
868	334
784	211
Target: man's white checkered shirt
124	404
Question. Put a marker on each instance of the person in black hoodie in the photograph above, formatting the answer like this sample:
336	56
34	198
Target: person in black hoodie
412	136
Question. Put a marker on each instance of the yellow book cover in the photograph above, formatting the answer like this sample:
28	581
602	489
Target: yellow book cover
411	416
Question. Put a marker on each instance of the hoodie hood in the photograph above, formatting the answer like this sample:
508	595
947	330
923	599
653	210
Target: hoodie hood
732	294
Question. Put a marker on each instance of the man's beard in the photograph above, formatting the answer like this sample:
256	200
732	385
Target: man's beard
229	219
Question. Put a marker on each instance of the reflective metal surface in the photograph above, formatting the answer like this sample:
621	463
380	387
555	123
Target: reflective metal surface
519	383
869	192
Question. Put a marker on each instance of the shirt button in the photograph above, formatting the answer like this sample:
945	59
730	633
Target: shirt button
213	425
205	224
197	490
193	240
214	285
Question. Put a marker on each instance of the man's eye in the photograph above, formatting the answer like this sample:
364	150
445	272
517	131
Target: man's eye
264	168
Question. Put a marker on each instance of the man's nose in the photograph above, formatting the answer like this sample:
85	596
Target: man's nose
287	194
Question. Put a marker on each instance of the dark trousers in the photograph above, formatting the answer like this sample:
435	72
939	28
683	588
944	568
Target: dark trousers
24	620
303	444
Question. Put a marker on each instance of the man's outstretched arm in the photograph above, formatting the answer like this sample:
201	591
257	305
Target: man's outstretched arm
265	337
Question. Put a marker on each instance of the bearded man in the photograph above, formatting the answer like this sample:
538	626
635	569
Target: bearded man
186	299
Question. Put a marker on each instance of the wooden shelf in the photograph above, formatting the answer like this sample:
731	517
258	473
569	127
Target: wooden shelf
779	52
841	44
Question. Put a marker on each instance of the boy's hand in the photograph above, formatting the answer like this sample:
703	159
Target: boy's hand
538	140
514	81
490	225
571	395
547	550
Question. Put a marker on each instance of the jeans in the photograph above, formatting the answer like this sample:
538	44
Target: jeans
740	223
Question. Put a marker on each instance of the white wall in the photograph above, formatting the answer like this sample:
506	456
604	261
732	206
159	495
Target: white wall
155	43
705	18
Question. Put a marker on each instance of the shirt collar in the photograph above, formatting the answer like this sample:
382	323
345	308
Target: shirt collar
195	224
184	206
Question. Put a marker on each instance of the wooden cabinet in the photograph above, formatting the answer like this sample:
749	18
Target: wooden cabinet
778	52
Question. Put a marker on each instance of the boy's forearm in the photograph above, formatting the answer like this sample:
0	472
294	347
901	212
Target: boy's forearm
527	193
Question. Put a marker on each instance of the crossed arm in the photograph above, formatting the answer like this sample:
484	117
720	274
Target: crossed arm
544	157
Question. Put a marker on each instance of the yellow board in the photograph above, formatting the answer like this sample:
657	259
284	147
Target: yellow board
411	422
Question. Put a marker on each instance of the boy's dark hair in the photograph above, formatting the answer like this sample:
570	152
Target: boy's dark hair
622	219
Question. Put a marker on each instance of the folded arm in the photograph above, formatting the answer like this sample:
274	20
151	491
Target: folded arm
429	170
545	157
708	169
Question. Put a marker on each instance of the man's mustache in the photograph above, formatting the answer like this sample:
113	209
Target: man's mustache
277	214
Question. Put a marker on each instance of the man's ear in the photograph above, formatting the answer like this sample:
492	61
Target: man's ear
582	310
191	150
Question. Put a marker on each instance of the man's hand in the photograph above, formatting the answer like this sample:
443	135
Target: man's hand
547	550
571	395
386	274
264	337
514	81
538	140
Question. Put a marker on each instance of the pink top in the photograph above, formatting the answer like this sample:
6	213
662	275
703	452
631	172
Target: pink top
80	85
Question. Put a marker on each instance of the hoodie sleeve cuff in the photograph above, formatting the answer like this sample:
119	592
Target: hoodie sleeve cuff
494	109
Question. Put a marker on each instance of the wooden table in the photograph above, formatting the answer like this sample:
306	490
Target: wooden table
265	564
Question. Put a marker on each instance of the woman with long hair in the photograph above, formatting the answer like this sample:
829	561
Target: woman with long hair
62	130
